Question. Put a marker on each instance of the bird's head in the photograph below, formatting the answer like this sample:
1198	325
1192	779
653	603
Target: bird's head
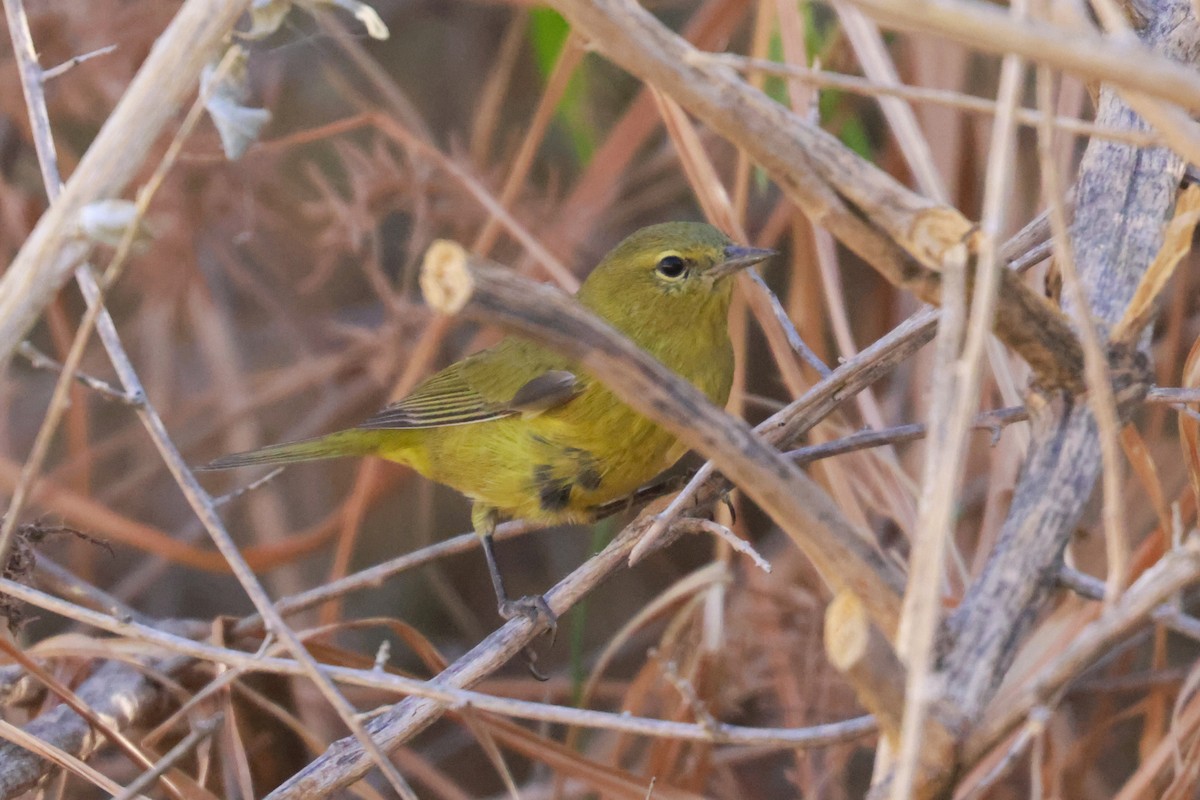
667	274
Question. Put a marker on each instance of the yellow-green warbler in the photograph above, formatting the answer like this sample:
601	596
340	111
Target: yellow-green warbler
524	432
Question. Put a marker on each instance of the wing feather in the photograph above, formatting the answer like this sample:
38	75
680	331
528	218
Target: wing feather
515	377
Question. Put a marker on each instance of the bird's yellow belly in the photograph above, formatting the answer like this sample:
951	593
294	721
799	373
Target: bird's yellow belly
553	467
556	466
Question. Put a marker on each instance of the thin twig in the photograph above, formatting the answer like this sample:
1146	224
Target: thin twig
991	421
1087	54
374	576
1172	395
784	324
229	497
200	731
53	577
738	544
39	360
951	99
1038	718
1167	614
53	72
168	75
444	693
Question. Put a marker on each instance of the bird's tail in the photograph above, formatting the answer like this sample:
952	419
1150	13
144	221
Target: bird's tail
343	443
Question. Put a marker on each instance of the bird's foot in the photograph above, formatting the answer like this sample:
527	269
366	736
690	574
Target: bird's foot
533	608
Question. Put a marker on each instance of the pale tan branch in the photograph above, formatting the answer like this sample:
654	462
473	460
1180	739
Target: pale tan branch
904	236
859	651
987	27
55	247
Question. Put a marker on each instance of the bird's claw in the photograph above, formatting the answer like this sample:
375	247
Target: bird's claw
533	608
531	658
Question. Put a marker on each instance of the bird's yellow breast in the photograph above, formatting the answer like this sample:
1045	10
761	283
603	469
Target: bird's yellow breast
557	465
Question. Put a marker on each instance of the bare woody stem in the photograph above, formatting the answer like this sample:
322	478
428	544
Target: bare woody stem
1123	197
56	247
165	80
344	762
1085	53
902	235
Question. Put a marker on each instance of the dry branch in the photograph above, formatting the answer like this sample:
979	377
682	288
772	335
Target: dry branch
55	247
901	234
122	695
1122	201
1086	54
860	652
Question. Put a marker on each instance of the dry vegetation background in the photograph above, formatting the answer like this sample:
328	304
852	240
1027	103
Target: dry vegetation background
277	297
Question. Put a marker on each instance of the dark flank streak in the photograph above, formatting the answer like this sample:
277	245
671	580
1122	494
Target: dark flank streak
554	494
589	478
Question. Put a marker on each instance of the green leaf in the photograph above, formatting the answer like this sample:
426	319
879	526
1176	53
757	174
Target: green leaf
548	33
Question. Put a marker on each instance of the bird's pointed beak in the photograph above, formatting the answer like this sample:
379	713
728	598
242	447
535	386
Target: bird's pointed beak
737	258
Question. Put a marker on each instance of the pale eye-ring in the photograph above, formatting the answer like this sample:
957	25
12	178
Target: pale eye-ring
671	266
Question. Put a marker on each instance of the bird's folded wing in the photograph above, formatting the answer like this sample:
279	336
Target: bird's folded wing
463	393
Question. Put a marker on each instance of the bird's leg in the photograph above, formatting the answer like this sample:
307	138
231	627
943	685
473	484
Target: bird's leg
532	607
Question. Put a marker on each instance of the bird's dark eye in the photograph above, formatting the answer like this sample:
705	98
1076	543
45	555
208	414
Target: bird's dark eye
671	266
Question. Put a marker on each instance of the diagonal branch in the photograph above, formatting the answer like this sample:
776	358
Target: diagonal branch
902	235
1123	197
991	29
54	248
1124	194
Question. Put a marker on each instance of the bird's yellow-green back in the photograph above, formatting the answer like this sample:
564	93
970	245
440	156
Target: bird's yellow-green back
522	431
